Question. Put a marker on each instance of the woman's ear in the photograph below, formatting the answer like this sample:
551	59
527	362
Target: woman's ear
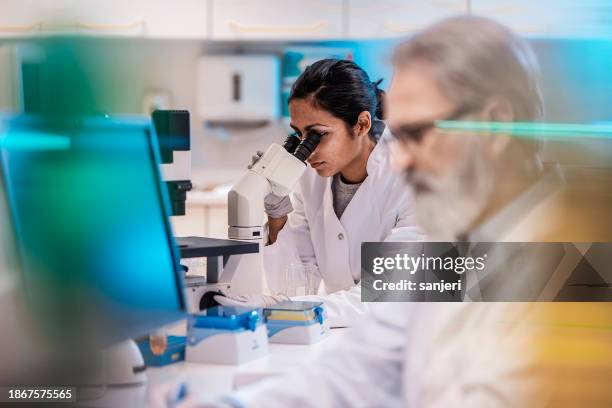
364	124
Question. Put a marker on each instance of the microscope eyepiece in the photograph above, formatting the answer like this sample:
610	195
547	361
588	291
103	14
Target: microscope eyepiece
291	142
307	146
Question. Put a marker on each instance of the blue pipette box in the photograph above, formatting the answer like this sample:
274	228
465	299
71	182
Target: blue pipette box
293	322
226	335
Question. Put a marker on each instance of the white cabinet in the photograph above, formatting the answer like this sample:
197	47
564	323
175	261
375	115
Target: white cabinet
23	17
144	18
288	20
277	19
561	18
397	18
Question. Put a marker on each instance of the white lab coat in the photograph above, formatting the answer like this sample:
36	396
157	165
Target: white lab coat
380	210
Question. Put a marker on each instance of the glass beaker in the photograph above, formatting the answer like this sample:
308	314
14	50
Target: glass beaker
301	279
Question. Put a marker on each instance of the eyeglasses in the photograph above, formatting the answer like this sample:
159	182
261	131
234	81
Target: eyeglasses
415	132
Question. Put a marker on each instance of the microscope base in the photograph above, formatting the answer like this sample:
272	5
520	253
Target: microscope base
197	293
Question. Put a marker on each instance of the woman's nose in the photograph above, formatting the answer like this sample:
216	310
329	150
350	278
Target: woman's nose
313	156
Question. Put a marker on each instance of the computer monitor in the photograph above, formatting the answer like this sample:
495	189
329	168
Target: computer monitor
90	221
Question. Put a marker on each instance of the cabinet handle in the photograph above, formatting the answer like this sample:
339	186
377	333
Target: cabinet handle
102	27
309	28
21	27
41	26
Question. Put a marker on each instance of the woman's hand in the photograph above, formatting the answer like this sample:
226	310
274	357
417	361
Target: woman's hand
274	227
277	209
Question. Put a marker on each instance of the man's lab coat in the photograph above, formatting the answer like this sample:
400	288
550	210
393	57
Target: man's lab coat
495	354
381	210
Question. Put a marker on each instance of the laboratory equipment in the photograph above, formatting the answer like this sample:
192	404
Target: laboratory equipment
226	335
277	171
90	219
291	322
173	352
300	279
174	141
122	364
239	89
222	260
222	256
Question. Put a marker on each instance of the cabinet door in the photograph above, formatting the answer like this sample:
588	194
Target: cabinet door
144	18
24	17
276	19
397	18
559	18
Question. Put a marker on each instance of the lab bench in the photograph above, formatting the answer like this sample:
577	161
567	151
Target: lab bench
212	380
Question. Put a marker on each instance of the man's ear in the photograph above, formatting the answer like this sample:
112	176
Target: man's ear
498	110
364	124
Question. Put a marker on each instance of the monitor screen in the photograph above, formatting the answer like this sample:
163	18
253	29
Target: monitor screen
90	221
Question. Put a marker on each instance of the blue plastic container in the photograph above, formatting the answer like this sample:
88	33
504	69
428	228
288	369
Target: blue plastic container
289	314
227	318
175	352
222	319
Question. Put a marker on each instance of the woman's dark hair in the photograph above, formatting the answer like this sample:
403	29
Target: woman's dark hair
344	89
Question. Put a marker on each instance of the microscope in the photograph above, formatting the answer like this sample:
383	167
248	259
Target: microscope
174	140
276	171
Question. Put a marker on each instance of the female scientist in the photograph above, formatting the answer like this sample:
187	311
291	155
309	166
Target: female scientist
347	196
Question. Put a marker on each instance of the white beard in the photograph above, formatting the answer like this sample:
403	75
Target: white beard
447	207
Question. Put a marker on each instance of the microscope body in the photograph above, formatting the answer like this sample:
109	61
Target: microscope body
277	171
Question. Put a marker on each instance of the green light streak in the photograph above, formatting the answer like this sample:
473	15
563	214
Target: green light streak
33	141
531	130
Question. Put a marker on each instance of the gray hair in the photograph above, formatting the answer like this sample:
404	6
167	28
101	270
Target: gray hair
475	58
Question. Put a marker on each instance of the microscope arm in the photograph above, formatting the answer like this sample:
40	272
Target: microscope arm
246	206
277	171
